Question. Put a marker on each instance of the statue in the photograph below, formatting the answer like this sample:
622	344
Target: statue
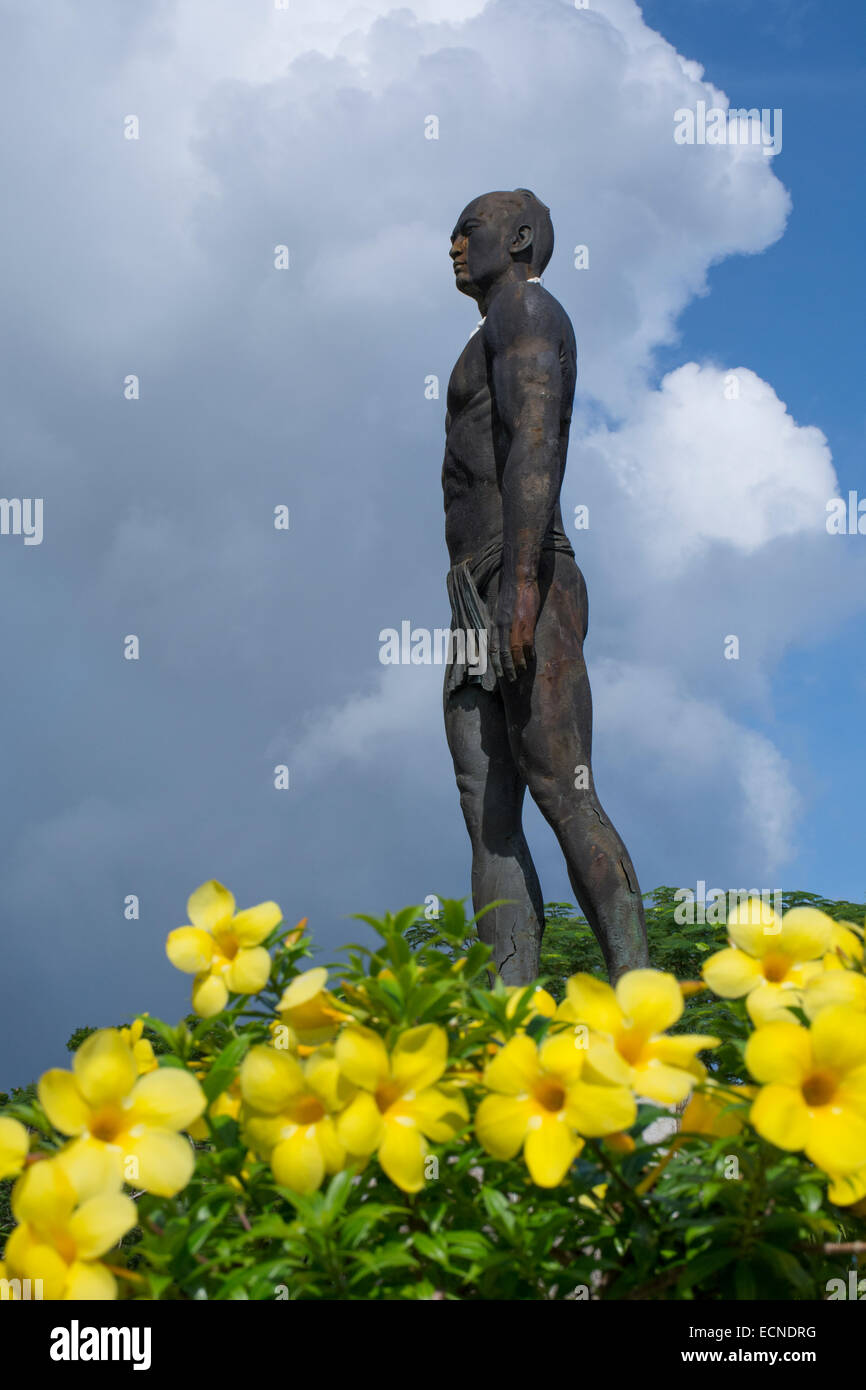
525	720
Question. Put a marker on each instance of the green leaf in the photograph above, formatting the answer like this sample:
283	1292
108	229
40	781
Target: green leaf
223	1069
703	1266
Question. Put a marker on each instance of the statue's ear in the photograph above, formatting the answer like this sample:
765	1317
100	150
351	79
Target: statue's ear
521	243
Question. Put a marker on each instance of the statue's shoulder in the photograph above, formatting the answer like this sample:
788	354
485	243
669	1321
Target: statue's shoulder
526	309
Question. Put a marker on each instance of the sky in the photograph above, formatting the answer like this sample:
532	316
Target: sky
719	409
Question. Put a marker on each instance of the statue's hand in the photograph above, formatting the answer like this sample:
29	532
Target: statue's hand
516	617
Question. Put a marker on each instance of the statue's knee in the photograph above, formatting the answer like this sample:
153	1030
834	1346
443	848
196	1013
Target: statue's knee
549	796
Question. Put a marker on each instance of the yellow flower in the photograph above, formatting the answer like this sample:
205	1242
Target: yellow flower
712	1110
288	1114
594	1198
833	985
14	1143
846	947
142	1049
70	1212
227	1103
689	988
542	1004
294	936
543	1099
813	1094
633	1017
137	1118
222	948
399	1103
308	1011
619	1143
846	1190
771	959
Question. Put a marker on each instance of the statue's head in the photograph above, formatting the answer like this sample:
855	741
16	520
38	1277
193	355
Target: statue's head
496	232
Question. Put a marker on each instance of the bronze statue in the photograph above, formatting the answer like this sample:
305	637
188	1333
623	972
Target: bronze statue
527	720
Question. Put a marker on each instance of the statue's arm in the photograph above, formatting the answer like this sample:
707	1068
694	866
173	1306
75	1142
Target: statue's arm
523	339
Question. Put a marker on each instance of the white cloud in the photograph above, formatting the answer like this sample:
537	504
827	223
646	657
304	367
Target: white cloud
714	457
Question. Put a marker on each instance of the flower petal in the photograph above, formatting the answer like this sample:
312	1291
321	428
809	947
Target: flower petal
839	1038
93	1168
439	1112
834	986
167	1098
105	1068
253	924
324	1078
249	971
100	1223
62	1101
263	1132
779	1112
269	1079
362	1056
419	1057
597	1110
713	1111
655	1080
550	1150
593	1002
806	933
211	906
14	1143
209	994
779	1052
88	1282
731	973
401	1154
604	1065
771	1003
847	1188
27	1257
164	1160
754	927
303	988
360	1127
680	1049
190	949
502	1123
650	999
846	946
333	1152
837	1139
298	1163
44	1197
514	1068
562	1056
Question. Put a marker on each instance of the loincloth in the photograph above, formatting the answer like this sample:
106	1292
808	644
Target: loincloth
467	583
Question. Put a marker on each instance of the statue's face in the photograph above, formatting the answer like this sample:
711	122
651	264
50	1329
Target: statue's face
482	243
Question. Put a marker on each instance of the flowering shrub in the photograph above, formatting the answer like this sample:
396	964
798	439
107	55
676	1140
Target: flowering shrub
404	1129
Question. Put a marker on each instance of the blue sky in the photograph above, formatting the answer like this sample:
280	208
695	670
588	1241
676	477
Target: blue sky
796	311
306	388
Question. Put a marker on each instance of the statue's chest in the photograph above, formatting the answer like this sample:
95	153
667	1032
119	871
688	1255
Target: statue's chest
469	377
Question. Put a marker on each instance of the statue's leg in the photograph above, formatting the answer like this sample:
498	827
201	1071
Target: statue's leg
550	726
491	797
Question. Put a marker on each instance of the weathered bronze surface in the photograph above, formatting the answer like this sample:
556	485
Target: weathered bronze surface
527	720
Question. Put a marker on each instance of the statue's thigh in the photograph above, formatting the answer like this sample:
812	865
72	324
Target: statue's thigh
550	708
487	775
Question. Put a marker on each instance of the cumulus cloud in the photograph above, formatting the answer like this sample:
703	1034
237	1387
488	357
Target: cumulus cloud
713	457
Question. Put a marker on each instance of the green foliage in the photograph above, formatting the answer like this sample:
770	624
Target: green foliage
707	1218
